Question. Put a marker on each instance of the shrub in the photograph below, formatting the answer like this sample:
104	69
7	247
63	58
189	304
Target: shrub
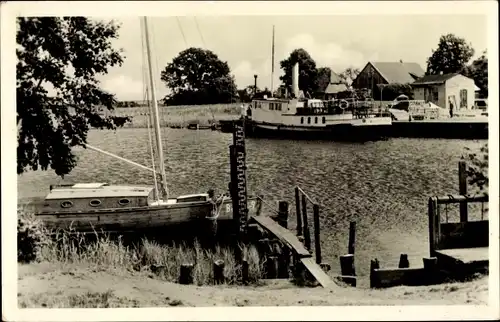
31	237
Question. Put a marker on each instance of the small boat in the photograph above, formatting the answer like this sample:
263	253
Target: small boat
87	207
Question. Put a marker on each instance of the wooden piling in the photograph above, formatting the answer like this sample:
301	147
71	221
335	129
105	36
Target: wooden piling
462	183
272	267
317	244
403	261
218	270
374	264
186	273
297	211
307	236
244	271
352	238
283	214
430	270
347	265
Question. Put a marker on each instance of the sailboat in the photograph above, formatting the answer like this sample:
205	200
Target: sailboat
98	206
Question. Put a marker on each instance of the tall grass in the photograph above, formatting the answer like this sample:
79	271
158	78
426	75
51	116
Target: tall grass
102	252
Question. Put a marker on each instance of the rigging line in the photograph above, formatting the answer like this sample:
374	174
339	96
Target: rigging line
148	116
199	31
182	31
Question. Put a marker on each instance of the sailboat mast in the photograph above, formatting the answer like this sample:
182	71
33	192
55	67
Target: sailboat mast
272	67
156	120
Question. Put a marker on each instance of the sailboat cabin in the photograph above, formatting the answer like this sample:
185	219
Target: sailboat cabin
95	196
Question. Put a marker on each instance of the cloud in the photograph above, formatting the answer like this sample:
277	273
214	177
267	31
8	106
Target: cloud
244	71
328	54
128	89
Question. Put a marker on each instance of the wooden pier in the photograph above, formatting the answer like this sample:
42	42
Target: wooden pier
457	249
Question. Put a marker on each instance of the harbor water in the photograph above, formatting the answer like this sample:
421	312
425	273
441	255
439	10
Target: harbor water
383	186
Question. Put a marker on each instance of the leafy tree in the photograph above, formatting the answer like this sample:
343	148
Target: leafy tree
323	75
478	70
63	55
198	76
451	56
349	75
307	71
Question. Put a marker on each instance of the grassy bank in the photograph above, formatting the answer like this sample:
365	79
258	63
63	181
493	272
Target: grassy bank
59	285
102	253
181	116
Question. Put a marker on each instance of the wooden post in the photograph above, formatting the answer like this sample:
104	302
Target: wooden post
430	270
307	237
297	211
347	265
186	274
374	264
462	183
317	244
218	268
352	237
283	214
244	271
238	179
272	267
403	261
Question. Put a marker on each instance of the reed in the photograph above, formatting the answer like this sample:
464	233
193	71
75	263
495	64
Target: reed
181	116
102	252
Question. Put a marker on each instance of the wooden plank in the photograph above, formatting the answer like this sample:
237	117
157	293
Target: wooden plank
389	277
464	235
283	234
317	272
466	255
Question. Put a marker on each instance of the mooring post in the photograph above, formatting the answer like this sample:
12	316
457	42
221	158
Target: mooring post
239	187
297	211
218	270
352	238
307	236
430	269
347	265
403	261
244	271
317	242
462	185
374	264
186	273
283	214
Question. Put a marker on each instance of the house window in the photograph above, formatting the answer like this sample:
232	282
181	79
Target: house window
463	98
271	106
302	120
324	120
309	120
316	120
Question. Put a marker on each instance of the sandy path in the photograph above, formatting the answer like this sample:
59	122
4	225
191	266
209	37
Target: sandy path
46	285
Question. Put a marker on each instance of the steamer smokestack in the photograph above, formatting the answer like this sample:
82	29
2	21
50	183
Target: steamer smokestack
295	80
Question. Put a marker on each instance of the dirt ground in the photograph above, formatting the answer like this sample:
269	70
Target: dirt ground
49	285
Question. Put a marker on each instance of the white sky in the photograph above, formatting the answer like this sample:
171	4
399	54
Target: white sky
245	43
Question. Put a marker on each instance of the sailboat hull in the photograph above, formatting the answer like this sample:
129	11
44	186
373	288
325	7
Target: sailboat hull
140	218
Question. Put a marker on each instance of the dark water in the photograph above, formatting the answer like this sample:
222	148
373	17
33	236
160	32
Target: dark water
383	186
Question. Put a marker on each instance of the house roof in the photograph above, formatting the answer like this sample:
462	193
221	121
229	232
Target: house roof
398	72
335	78
434	79
335	88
